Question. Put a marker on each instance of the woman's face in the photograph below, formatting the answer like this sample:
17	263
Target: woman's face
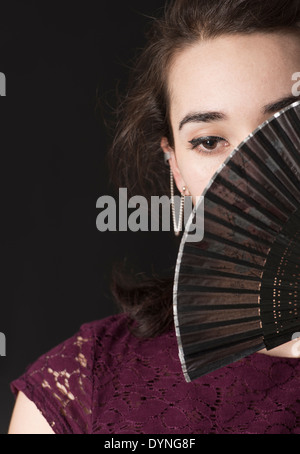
240	79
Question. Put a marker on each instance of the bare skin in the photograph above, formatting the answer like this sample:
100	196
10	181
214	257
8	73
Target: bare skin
236	75
27	419
239	76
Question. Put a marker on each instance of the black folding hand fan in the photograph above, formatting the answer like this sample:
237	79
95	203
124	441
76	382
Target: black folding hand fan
238	290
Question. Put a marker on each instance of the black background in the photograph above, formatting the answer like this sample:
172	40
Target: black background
57	59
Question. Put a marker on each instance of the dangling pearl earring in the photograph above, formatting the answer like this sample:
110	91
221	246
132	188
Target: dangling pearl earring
177	227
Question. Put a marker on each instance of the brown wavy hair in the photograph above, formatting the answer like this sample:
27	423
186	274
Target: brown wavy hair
142	119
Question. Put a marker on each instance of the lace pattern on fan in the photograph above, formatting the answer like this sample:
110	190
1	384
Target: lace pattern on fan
280	310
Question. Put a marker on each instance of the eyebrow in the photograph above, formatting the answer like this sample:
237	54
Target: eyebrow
208	117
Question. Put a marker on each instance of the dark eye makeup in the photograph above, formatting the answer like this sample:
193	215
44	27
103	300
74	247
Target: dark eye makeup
209	143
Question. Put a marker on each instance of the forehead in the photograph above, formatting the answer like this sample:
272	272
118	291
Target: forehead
217	72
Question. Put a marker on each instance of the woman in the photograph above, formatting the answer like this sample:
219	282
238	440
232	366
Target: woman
234	61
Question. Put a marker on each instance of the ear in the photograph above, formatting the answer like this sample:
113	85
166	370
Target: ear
173	164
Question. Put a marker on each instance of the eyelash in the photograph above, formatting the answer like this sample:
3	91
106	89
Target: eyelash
201	140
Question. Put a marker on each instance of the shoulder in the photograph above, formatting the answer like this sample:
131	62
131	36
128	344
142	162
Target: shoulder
60	382
109	326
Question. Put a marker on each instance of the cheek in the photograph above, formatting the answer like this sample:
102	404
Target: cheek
196	179
198	172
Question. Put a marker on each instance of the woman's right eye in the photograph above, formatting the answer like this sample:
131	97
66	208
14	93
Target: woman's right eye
209	143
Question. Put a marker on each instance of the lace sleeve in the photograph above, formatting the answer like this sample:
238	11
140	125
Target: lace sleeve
60	383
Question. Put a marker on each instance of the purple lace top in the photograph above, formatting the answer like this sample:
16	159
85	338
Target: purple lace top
103	380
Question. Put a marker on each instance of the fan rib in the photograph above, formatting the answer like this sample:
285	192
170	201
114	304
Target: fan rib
237	291
197	347
200	252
